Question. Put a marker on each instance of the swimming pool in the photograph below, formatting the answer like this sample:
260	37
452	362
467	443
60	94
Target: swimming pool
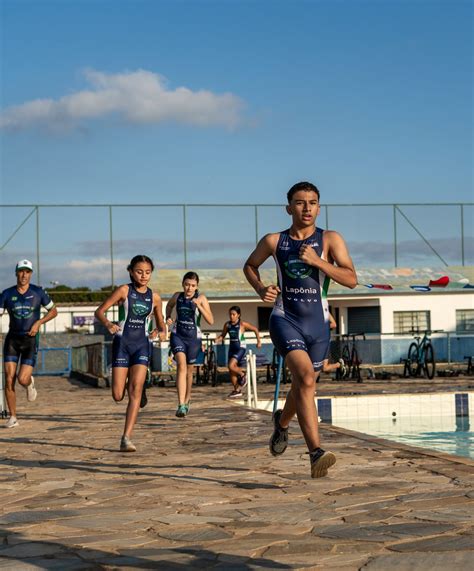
440	421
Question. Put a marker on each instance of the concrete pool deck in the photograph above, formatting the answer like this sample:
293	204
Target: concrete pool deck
205	492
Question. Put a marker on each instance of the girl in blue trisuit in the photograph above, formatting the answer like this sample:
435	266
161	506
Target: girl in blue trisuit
186	335
236	329
131	346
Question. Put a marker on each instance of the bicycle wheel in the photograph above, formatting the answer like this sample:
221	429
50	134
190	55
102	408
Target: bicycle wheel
346	356
205	368
212	366
355	362
429	363
412	362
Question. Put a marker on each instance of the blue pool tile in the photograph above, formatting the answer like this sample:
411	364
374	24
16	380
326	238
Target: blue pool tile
325	409
462	404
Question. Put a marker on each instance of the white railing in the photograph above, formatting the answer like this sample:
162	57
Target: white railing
252	399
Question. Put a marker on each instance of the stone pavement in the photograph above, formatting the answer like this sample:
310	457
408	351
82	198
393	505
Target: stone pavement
204	492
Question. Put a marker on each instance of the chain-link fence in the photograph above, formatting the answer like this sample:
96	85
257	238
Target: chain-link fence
89	246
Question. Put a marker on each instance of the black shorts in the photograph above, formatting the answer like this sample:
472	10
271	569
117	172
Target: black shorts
21	348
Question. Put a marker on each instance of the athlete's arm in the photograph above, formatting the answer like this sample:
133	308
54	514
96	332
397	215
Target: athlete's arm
169	308
225	330
52	313
160	330
250	327
265	248
332	322
204	308
120	294
343	272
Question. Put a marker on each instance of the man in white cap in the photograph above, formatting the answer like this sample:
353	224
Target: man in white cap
23	302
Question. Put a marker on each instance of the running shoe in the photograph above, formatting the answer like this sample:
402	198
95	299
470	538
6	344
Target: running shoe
320	462
235	395
31	392
188	406
144	399
242	381
279	438
126	445
342	368
181	411
12	422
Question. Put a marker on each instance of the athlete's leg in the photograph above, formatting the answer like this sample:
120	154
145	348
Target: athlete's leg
136	380
10	378
189	383
234	372
119	382
330	368
181	376
303	380
24	375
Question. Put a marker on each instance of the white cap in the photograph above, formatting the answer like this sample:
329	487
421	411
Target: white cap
24	265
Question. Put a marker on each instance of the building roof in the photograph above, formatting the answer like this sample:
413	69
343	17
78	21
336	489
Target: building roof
231	283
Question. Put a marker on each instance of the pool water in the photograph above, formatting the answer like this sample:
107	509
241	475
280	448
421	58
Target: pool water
446	434
439	421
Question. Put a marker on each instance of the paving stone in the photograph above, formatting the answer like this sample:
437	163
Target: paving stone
421	562
443	543
383	532
37	564
195	534
33	549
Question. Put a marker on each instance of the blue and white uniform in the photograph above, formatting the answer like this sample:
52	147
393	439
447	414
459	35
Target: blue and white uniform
300	316
186	334
237	344
24	310
131	345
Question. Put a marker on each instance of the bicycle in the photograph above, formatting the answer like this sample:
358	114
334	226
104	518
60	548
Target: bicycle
209	365
350	356
420	357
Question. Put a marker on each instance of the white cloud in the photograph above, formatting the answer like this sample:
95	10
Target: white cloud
139	97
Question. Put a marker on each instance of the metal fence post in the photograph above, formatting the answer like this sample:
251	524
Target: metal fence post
256	224
185	240
111	241
395	235
38	270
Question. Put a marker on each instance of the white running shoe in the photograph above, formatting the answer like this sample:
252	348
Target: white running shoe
126	445
12	422
235	395
31	392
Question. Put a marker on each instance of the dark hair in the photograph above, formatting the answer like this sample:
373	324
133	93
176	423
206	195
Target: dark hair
190	276
235	308
137	259
301	186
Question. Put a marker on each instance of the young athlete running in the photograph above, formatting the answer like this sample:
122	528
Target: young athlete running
23	303
186	335
306	259
131	346
237	348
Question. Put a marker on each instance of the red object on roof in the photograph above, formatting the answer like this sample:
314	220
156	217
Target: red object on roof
441	282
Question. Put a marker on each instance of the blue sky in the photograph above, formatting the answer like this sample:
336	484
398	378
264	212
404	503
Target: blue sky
231	102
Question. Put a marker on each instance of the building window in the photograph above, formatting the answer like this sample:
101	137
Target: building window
410	321
464	320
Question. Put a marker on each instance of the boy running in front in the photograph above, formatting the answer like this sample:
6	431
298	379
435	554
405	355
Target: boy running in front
306	258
